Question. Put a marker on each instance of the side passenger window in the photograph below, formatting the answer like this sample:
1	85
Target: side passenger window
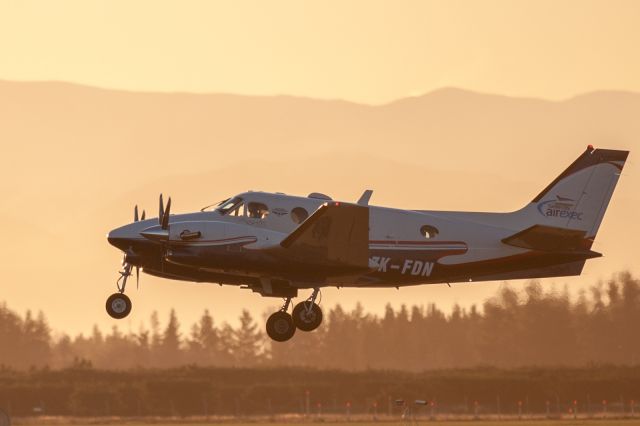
429	231
299	215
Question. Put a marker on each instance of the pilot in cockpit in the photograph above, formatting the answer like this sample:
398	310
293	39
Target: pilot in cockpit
257	210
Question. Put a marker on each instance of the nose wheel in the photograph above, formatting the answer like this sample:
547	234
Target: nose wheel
118	305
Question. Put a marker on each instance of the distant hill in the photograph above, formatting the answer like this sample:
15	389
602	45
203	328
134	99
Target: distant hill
76	159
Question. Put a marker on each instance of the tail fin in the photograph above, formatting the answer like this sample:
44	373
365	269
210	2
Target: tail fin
578	198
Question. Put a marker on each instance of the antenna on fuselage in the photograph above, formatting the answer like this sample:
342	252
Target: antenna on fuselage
365	197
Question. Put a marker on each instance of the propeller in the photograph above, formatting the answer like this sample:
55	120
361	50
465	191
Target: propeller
163	217
161	232
135	214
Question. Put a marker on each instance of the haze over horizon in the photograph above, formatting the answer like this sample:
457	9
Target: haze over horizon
83	157
390	101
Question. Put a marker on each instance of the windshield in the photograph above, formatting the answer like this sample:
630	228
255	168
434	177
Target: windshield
214	205
232	206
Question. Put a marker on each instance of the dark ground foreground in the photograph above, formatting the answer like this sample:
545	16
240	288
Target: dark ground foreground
293	420
244	393
257	395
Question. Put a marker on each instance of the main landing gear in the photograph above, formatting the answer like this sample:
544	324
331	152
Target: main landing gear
307	316
118	304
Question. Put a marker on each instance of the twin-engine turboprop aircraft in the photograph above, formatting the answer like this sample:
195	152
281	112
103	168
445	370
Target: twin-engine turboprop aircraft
276	244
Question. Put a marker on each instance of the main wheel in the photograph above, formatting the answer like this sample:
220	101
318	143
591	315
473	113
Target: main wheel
280	326
307	319
118	305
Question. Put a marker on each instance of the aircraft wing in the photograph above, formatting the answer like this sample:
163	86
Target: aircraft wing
337	234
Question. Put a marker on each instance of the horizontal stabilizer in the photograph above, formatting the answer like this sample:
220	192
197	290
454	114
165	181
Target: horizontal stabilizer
336	234
553	239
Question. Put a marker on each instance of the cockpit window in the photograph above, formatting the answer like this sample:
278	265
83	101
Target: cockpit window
215	205
257	210
233	207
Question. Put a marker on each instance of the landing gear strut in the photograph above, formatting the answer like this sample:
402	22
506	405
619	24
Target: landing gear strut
280	326
307	315
118	304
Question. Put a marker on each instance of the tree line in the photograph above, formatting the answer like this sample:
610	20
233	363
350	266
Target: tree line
514	328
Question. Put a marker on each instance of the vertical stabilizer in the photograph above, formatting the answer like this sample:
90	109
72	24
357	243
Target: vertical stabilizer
578	198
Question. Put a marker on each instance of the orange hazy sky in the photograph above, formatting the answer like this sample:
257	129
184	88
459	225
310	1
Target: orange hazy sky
367	51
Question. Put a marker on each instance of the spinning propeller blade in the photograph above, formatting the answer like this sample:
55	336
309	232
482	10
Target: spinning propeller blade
161	213
165	217
159	233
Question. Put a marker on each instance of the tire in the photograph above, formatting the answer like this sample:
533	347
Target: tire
118	305
307	321
280	326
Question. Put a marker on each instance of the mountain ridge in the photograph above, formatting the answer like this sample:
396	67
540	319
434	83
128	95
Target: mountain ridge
434	92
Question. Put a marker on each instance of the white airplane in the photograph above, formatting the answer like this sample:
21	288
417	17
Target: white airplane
276	244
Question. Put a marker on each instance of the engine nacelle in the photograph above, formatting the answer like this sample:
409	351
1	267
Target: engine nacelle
211	232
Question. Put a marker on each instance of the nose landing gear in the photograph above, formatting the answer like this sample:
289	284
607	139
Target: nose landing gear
307	316
119	304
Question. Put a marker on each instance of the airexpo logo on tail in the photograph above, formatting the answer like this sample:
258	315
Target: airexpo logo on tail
561	207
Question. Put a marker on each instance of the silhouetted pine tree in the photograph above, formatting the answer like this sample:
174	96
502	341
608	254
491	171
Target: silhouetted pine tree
247	341
514	328
169	350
